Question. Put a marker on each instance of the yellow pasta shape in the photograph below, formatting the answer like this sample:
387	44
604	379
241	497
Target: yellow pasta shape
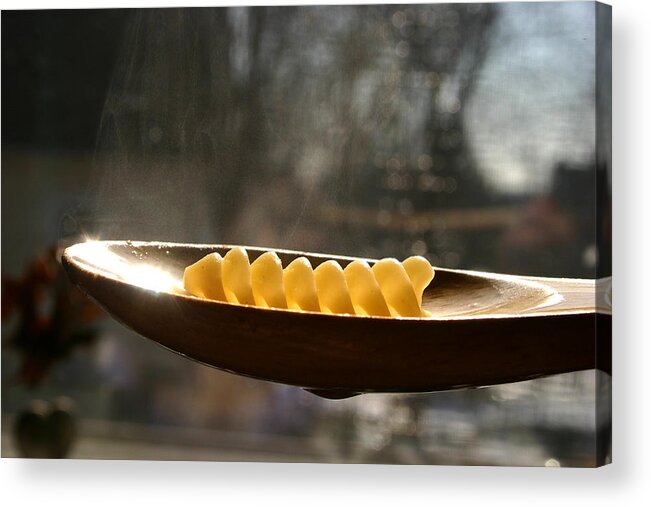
396	288
389	288
420	272
236	277
300	287
332	289
204	278
365	292
267	281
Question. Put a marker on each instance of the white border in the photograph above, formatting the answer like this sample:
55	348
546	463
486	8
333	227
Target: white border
626	482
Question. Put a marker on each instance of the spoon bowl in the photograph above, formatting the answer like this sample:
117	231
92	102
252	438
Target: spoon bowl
485	328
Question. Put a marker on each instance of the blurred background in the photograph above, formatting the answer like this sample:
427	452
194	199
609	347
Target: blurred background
472	134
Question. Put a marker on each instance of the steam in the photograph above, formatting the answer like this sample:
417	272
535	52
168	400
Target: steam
242	125
158	161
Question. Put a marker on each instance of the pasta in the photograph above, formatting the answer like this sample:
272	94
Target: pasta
300	286
388	288
267	281
396	288
332	288
364	290
204	278
236	277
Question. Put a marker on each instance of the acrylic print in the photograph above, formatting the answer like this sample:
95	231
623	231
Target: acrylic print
332	234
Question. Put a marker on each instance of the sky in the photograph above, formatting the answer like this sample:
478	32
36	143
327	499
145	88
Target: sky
533	105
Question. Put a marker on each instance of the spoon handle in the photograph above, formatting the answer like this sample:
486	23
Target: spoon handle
578	295
589	296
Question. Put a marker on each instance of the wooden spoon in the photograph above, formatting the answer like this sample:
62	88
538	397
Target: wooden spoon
485	328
